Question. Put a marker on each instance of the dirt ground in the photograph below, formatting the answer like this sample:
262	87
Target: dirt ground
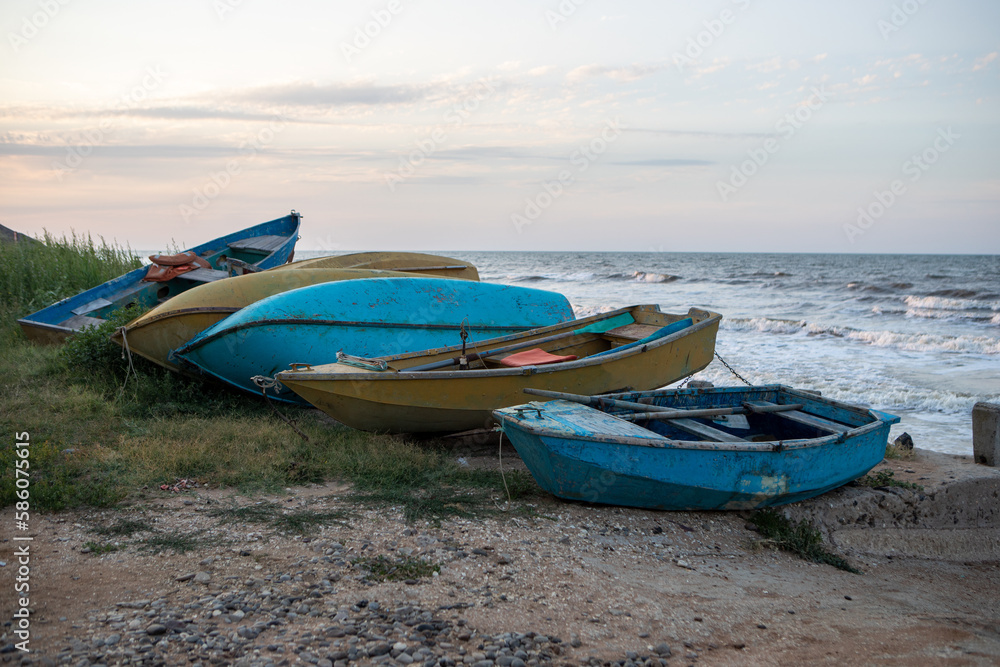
606	580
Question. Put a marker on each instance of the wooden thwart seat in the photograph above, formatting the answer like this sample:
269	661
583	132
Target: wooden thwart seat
260	244
204	275
802	418
705	431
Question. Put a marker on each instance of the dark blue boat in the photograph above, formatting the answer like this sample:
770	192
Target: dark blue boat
256	248
719	448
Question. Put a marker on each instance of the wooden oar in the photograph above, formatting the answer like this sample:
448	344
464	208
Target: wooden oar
645	411
596	327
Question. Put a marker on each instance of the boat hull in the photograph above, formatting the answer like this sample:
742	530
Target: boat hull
577	455
53	324
170	325
364	318
407	262
450	401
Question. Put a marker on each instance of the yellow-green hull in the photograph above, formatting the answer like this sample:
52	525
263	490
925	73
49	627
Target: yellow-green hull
404	401
175	322
409	262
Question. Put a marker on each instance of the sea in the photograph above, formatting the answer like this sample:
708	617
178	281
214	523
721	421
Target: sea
917	336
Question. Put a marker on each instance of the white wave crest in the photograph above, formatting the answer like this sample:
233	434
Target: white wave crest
941	303
902	341
644	277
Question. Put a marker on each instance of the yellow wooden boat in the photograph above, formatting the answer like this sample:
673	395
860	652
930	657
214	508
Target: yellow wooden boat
410	262
451	389
179	319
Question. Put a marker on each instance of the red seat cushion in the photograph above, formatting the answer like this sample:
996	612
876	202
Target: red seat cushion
536	356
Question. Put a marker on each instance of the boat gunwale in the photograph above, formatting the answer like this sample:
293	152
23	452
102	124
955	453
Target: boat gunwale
315	375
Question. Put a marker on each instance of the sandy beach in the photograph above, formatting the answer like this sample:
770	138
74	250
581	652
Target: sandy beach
563	583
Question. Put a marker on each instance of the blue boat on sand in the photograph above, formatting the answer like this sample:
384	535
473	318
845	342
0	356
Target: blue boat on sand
256	248
721	448
362	318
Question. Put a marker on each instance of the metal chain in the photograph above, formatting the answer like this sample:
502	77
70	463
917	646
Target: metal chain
732	370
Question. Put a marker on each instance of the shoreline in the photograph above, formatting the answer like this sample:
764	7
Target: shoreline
606	582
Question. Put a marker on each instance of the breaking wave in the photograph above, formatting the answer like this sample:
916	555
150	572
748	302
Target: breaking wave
901	341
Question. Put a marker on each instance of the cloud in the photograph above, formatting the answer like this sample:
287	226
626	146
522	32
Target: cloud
624	74
767	66
665	162
118	151
983	62
702	134
336	94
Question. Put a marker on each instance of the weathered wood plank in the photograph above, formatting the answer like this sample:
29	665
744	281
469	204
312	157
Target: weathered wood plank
704	431
91	306
802	418
258	243
204	275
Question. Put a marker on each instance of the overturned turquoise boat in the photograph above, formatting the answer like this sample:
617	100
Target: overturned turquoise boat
362	318
721	448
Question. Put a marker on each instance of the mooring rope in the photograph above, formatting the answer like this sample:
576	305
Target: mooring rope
266	383
126	352
503	477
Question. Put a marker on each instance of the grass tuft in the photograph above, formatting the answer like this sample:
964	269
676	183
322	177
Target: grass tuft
382	568
101	548
886	478
179	542
124	528
899	453
301	521
801	539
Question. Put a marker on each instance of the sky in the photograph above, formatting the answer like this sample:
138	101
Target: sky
735	125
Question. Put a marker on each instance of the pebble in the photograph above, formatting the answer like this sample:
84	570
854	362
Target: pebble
296	616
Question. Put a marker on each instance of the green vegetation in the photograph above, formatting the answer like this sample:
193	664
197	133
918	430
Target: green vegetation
99	548
98	439
801	539
884	478
179	542
301	521
898	452
124	528
35	275
382	568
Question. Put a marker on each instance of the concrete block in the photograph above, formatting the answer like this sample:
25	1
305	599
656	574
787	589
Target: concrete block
986	433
